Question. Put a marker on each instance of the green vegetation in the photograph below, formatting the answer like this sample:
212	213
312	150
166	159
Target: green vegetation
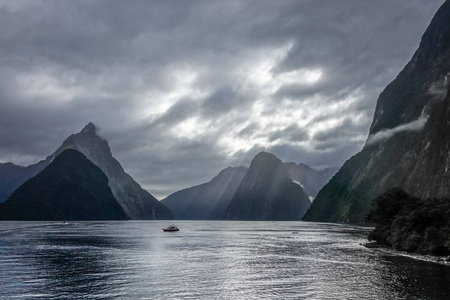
410	224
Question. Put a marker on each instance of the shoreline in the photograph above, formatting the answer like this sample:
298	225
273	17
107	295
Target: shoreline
442	260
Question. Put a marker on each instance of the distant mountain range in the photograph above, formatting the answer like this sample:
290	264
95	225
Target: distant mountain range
206	201
71	187
409	141
12	176
135	201
268	190
211	200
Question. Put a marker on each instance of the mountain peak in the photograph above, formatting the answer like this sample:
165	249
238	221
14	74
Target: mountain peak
267	193
265	157
90	128
264	154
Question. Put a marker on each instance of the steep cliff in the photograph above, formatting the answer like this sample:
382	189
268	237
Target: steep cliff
409	144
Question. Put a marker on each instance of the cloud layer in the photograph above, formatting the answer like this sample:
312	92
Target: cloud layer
383	135
183	89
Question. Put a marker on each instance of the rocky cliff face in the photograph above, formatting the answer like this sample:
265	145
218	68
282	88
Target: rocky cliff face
135	201
69	188
267	193
409	143
207	201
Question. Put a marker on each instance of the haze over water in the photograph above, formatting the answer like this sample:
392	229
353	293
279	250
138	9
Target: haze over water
206	260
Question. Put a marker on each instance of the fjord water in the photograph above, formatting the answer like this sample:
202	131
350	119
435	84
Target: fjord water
206	260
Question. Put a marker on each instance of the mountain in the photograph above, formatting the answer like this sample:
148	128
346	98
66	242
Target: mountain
409	141
9	172
12	176
267	193
311	181
69	188
135	201
207	201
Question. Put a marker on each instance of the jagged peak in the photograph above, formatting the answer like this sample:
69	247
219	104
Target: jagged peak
87	141
90	128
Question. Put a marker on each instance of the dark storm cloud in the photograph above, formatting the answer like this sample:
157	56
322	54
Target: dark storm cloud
300	91
178	112
248	130
182	89
219	102
292	133
327	157
346	129
342	38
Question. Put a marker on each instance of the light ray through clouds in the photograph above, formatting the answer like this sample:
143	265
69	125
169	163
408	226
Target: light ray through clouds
183	89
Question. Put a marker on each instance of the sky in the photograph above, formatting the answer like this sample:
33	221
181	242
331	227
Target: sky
183	89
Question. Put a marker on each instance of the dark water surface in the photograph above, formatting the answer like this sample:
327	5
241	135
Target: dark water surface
206	260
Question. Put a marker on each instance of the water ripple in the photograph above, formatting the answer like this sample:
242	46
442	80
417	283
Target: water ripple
206	260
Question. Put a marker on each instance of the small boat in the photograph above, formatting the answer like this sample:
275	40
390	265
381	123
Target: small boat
171	228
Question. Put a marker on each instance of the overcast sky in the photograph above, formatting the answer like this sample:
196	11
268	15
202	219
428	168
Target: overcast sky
183	89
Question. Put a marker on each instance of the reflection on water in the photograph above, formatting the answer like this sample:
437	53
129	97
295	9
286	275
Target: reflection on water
206	260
